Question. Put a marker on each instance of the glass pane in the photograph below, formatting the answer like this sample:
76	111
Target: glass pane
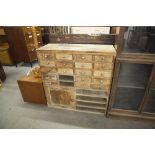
139	39
150	106
132	81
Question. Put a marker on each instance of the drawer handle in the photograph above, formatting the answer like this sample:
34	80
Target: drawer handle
64	64
101	81
103	58
64	71
30	36
38	34
46	56
83	57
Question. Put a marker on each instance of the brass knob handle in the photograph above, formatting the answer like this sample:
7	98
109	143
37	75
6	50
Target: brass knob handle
46	56
83	57
64	64
64	71
103	58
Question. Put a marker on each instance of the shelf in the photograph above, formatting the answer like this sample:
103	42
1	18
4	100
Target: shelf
86	101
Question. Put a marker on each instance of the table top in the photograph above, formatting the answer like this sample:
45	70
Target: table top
78	47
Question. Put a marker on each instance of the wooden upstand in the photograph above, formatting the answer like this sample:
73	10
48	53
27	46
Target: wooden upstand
77	76
32	89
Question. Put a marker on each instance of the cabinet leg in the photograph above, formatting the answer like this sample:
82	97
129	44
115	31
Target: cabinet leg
31	64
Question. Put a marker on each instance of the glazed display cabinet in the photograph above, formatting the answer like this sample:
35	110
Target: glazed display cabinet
132	93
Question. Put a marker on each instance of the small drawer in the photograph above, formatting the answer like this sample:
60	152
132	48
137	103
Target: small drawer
47	63
82	79
99	65
104	74
64	56
54	84
83	65
47	70
83	72
82	85
31	48
28	29
100	86
65	71
45	56
64	64
83	57
29	38
104	58
49	77
101	81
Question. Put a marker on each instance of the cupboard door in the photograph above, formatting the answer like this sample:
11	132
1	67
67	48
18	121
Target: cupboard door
132	81
62	96
150	105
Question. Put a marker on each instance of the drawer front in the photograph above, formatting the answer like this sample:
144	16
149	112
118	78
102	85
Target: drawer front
104	58
99	65
31	48
32	55
82	85
101	81
29	38
47	63
64	56
49	77
45	56
65	71
47	70
104	74
64	64
100	86
83	65
54	84
82	79
83	72
83	57
27	29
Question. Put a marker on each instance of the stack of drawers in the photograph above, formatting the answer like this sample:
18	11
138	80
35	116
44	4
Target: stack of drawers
77	76
33	40
23	42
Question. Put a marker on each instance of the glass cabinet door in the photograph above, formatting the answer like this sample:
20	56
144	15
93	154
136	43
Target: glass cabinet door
150	105
139	39
132	81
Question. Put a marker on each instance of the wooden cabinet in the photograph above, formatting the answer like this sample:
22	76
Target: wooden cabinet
23	42
79	79
32	89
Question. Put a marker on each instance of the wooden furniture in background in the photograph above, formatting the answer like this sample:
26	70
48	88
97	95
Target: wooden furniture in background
5	57
77	76
32	89
2	73
23	42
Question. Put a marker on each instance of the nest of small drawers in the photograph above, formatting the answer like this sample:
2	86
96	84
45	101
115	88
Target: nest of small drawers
77	80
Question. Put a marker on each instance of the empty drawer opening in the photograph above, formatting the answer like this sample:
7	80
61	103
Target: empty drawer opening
91	99
66	78
93	105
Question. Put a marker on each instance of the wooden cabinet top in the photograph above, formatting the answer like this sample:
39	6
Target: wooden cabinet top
32	79
109	49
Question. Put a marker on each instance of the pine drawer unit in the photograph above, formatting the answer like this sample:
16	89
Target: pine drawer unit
77	76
